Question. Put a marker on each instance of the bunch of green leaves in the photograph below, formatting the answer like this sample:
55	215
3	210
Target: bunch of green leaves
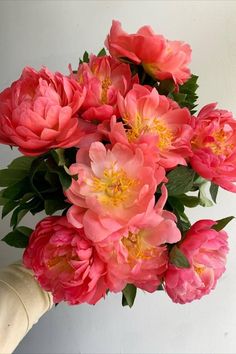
34	184
85	57
187	189
185	96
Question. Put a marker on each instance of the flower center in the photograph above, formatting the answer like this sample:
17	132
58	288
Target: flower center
61	262
220	142
106	83
156	126
114	186
221	146
137	247
199	269
164	133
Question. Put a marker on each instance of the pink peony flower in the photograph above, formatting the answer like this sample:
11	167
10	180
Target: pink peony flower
137	253
206	251
114	184
214	147
155	124
160	58
103	77
37	112
65	262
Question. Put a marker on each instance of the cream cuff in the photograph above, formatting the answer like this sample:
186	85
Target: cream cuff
22	303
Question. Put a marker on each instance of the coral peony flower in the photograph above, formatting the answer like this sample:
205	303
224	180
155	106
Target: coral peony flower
37	112
160	58
114	184
214	147
65	262
103	77
206	251
155	124
137	253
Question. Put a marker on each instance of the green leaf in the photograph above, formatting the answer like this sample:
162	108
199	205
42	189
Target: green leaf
27	231
166	87
65	178
17	190
203	200
26	197
51	178
186	96
198	180
180	180
183	222
21	163
214	191
53	205
177	206
59	156
2	200
18	238
124	302
17	215
39	206
129	294
23	209
160	287
35	167
189	201
11	176
86	57
178	258
8	207
180	98
70	155
222	223
102	52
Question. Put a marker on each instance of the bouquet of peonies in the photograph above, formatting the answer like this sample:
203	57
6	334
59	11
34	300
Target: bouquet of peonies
114	148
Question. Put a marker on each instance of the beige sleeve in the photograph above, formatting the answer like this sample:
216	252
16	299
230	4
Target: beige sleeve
22	303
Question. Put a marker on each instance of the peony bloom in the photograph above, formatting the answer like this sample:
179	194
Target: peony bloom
137	253
156	124
214	147
160	58
114	184
65	262
206	251
103	77
37	112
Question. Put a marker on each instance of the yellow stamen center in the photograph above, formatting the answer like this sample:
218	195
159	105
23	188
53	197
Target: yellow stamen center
106	83
164	133
199	270
221	146
60	261
156	126
114	187
137	247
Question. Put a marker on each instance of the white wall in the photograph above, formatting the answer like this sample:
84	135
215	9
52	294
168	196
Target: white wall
55	33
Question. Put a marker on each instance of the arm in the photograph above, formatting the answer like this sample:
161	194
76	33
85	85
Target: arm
22	303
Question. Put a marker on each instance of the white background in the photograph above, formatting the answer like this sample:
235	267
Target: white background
55	33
